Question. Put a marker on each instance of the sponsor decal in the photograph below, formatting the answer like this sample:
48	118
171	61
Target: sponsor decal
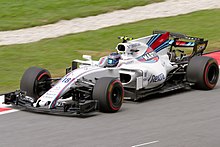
66	80
156	78
149	57
200	47
134	45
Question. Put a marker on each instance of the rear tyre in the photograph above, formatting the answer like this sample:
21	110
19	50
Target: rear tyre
203	72
35	81
110	93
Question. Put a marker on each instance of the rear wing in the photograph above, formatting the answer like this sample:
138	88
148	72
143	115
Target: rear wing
182	40
177	35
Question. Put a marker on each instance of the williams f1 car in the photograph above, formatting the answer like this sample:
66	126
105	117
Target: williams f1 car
157	63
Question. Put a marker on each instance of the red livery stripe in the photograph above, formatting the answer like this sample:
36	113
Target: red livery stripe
160	40
181	43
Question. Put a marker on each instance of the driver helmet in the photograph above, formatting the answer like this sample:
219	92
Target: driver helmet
113	59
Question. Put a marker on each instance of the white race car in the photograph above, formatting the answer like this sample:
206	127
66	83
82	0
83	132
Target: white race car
153	64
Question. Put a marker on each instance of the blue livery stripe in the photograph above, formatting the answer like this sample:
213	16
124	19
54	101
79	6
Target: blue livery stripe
171	42
162	46
153	39
190	44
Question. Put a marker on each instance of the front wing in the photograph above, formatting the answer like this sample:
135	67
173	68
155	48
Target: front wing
20	101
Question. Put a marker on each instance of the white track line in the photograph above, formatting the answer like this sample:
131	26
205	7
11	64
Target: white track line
77	25
147	143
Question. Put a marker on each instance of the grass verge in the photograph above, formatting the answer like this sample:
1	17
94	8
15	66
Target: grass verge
29	13
56	54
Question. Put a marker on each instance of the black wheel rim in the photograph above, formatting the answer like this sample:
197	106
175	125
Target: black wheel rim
212	74
42	85
116	96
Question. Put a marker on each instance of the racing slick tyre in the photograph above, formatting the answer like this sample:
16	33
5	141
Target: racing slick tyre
110	93
203	72
35	82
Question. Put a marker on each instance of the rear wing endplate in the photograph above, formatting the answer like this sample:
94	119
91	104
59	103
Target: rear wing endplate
198	44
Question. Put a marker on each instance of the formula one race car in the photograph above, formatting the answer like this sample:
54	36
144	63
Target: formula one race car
139	67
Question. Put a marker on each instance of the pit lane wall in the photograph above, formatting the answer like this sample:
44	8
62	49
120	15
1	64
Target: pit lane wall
4	109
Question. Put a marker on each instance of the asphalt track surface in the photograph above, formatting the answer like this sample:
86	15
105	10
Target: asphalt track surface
183	119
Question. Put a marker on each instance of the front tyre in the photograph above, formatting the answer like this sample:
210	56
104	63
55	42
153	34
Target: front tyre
35	82
203	72
110	93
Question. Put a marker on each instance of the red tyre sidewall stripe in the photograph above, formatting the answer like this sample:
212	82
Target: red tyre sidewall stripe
109	94
45	73
206	76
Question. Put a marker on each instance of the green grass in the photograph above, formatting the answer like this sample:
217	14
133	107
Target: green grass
57	54
16	14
